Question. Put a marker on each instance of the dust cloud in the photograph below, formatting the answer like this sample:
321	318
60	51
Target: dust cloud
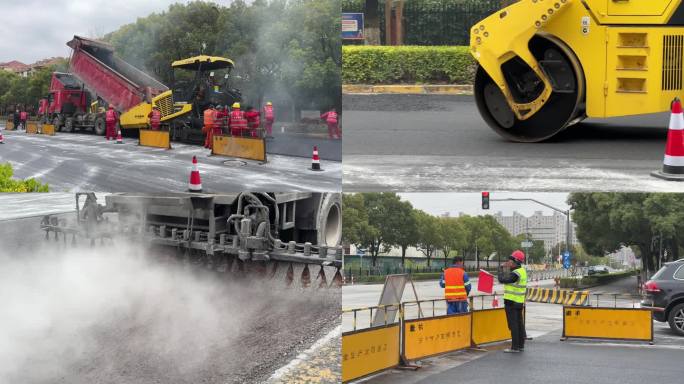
112	314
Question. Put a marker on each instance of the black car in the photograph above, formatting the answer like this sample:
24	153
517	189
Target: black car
664	293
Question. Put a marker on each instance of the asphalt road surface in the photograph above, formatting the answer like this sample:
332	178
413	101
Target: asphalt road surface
108	314
546	359
439	143
85	162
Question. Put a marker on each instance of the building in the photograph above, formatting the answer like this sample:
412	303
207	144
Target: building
549	229
16	66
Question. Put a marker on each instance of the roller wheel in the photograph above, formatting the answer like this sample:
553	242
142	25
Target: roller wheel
56	123
68	124
561	110
99	127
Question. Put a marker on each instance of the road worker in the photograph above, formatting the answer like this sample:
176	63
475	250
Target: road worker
209	122
23	116
514	279
269	118
17	119
110	122
219	121
253	121
456	284
238	123
155	118
330	118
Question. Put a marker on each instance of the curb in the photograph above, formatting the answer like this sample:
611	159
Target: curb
408	89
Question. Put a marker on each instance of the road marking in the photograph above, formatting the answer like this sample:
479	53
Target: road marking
282	371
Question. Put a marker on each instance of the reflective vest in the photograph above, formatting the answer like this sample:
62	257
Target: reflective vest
110	116
268	112
516	292
253	119
23	115
454	287
332	117
209	115
237	119
155	118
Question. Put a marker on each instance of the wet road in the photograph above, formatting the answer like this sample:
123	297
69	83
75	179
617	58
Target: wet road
439	143
84	162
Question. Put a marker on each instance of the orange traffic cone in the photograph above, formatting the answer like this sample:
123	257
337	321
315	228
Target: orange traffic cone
195	184
495	302
119	139
315	161
673	163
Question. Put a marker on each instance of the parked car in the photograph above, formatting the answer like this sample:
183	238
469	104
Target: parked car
664	294
598	270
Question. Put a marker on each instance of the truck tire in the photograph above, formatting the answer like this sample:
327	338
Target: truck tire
329	220
57	123
99	127
676	319
68	124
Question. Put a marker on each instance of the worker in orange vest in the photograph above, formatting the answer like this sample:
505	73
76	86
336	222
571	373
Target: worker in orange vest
269	118
238	123
252	116
110	121
330	118
155	118
456	284
209	122
219	121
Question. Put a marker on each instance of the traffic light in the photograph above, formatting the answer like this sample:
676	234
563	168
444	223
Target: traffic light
485	200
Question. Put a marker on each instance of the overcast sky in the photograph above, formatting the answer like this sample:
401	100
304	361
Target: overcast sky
471	203
36	29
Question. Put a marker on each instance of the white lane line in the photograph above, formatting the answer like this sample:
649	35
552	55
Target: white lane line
280	372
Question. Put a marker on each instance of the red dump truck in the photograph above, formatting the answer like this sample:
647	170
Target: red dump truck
70	106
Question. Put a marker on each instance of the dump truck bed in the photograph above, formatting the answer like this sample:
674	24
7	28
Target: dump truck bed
114	80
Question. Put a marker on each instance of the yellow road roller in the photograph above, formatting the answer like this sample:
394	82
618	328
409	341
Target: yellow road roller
544	65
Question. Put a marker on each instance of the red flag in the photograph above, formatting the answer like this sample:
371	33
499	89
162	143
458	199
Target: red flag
485	282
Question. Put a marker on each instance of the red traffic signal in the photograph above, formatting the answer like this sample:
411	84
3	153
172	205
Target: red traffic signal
485	200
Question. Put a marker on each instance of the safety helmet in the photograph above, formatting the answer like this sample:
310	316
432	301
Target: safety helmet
518	256
269	103
155	106
236	105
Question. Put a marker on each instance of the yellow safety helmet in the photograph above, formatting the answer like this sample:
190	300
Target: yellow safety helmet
269	103
236	105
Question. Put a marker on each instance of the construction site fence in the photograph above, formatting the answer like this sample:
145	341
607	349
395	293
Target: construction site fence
361	274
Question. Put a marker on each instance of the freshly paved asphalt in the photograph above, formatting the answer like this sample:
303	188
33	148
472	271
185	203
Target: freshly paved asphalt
84	162
438	143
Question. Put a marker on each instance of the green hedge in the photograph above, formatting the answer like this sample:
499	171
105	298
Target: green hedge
407	64
414	276
594	280
8	184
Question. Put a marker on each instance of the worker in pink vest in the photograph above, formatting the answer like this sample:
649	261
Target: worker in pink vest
238	123
110	122
253	121
269	118
155	118
23	116
330	118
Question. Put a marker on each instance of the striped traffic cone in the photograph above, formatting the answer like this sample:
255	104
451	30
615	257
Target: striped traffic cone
195	184
673	163
119	139
315	161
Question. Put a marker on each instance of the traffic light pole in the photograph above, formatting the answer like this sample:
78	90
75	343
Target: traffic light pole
568	231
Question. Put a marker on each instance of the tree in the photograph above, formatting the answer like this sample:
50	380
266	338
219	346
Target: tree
452	236
356	229
372	22
405	233
429	234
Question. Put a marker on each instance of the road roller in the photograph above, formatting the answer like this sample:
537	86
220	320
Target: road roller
544	65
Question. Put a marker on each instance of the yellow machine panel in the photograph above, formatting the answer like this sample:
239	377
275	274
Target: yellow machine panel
436	335
31	127
241	147
608	323
9	126
136	117
369	351
157	139
489	326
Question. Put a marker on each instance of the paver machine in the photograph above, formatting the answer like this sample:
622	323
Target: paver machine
544	65
270	234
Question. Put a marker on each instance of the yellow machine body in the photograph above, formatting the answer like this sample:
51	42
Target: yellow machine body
629	53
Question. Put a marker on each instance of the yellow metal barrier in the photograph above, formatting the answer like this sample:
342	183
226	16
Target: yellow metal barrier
31	127
241	147
489	326
9	126
369	351
157	139
608	323
48	129
557	296
436	335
